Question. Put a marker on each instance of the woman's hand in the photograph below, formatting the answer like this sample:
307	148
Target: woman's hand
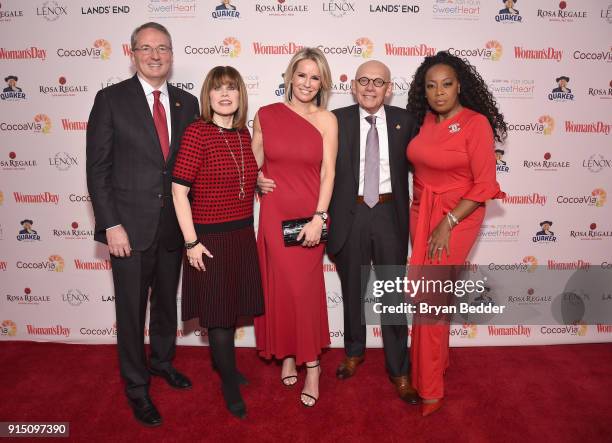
194	255
439	240
311	233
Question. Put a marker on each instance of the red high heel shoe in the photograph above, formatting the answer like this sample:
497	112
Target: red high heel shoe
430	408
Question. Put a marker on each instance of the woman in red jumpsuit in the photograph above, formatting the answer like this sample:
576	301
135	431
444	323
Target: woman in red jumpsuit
454	175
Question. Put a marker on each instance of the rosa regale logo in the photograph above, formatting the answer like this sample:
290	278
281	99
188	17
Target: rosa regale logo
9	328
58	261
44	121
531	263
600	195
549	124
496	49
366	45
234	46
104	47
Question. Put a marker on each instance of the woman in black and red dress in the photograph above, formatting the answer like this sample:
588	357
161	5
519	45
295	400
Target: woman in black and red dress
221	278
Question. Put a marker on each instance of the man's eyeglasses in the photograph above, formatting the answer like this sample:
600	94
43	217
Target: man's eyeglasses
365	81
148	50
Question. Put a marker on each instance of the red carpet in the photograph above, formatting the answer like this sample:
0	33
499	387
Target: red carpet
501	394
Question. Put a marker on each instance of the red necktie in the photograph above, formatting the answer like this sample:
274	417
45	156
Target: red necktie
161	125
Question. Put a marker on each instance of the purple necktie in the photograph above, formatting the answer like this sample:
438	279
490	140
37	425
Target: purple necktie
371	174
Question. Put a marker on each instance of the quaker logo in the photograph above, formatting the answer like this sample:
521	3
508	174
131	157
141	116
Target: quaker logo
110	81
73	232
225	11
27	298
51	11
500	163
597	163
562	93
62	88
75	297
547	164
63	161
184	86
105	10
14	164
27	233
343	86
509	14
545	235
7	15
12	92
592	233
455	10
563	14
280	91
339	8
395	8
604	93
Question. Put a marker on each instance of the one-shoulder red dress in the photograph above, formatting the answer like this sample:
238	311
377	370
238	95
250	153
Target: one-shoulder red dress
295	320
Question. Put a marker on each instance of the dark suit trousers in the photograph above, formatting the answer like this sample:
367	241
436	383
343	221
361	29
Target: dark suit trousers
156	268
373	239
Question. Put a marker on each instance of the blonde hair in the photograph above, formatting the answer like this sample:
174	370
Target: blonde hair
220	75
318	57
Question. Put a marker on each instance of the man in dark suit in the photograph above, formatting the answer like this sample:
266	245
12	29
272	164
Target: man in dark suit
371	230
133	134
562	84
368	228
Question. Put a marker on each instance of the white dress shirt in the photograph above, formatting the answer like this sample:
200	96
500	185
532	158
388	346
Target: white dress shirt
163	97
384	186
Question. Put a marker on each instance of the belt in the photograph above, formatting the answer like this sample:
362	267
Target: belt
382	198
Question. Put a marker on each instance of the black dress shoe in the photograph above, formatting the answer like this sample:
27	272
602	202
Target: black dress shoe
174	378
145	411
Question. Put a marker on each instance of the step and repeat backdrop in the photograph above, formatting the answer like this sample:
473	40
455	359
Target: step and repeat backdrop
548	63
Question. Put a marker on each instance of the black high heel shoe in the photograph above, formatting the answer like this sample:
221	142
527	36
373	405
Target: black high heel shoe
233	400
308	395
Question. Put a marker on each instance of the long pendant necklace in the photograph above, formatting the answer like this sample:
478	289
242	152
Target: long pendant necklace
241	181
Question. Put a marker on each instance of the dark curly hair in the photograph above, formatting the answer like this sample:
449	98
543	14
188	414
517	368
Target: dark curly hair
475	94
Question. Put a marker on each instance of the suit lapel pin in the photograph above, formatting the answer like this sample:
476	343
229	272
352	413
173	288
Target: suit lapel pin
177	104
398	126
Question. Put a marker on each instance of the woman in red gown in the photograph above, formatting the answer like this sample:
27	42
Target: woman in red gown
296	142
454	175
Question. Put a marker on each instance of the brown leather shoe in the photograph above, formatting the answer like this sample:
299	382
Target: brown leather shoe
348	367
404	389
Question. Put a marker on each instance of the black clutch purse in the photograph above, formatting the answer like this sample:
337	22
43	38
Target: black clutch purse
292	228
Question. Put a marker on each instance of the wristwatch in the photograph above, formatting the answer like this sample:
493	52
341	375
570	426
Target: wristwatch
193	244
322	214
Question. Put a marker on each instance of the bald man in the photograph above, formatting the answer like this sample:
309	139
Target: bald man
369	216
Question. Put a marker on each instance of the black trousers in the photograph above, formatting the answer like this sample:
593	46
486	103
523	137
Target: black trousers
373	239
156	268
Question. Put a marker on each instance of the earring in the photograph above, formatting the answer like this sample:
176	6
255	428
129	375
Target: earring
459	89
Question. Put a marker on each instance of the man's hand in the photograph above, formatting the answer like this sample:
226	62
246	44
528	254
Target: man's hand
118	242
264	184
